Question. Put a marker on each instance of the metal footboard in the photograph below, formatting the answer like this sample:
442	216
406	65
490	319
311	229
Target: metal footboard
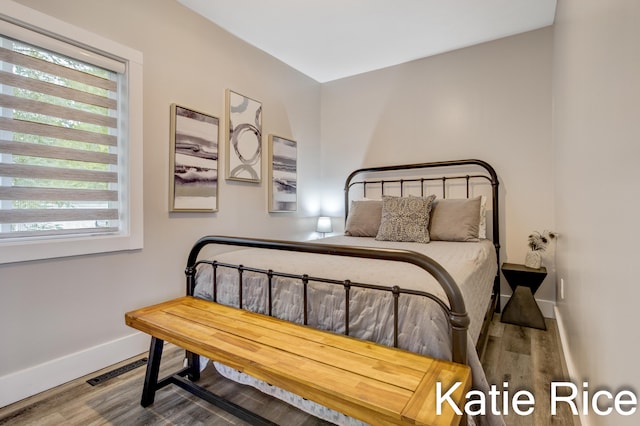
456	311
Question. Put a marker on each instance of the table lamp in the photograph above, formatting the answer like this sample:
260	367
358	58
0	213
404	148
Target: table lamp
324	225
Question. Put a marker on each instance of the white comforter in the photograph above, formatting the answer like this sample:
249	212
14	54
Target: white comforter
423	325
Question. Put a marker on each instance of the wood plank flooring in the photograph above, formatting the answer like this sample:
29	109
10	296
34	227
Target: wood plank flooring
117	402
527	358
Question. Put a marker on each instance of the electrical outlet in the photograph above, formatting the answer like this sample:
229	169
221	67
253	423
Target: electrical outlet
561	288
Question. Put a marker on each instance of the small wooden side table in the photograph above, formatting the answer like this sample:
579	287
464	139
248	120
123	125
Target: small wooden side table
522	308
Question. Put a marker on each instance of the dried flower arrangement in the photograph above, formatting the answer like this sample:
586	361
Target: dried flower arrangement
539	241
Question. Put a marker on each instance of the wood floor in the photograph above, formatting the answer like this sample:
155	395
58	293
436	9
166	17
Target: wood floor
525	358
528	359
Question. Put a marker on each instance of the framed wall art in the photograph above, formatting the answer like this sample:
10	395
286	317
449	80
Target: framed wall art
243	141
283	174
193	161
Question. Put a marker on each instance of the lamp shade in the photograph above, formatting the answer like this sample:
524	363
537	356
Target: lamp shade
324	225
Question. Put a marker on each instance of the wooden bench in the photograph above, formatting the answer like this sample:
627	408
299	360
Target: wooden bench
374	383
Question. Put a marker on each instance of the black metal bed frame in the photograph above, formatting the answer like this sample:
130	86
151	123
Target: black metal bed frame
455	311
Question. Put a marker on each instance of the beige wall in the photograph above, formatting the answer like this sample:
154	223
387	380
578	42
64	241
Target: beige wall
596	83
490	102
59	308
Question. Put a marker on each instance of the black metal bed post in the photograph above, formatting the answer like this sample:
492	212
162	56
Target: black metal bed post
270	291
458	317
305	307
347	303
496	236
190	272
396	297
240	283
193	359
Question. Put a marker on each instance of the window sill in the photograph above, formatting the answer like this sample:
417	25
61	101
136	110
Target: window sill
36	249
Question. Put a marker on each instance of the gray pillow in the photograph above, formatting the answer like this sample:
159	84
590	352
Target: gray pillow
455	219
364	218
405	219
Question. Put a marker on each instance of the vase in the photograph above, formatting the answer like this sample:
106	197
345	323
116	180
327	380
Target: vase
533	259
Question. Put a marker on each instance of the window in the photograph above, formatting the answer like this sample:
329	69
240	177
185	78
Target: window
70	141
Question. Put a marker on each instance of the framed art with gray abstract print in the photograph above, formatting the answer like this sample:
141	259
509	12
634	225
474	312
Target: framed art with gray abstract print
283	177
243	140
193	160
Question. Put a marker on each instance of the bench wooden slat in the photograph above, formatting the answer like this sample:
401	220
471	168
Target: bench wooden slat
399	372
308	333
375	383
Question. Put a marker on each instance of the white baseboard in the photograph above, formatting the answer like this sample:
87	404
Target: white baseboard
33	380
571	368
547	307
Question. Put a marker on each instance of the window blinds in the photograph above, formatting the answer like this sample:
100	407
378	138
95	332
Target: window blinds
58	144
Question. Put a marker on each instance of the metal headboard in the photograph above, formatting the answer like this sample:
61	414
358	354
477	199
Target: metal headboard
485	173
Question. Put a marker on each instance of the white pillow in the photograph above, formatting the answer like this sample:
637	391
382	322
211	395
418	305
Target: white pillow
482	229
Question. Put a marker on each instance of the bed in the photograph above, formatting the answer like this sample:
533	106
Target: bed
370	283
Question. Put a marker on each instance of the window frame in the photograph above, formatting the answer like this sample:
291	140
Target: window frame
130	236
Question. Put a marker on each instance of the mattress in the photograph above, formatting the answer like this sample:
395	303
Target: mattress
423	325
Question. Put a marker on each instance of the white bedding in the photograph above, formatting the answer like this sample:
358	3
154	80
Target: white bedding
423	325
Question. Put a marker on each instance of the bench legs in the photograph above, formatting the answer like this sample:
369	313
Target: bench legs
192	371
151	383
193	366
151	378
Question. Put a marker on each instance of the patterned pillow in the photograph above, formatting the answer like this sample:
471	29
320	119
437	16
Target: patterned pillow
405	219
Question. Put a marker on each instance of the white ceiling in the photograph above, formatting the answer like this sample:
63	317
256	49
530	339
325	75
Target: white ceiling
332	39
